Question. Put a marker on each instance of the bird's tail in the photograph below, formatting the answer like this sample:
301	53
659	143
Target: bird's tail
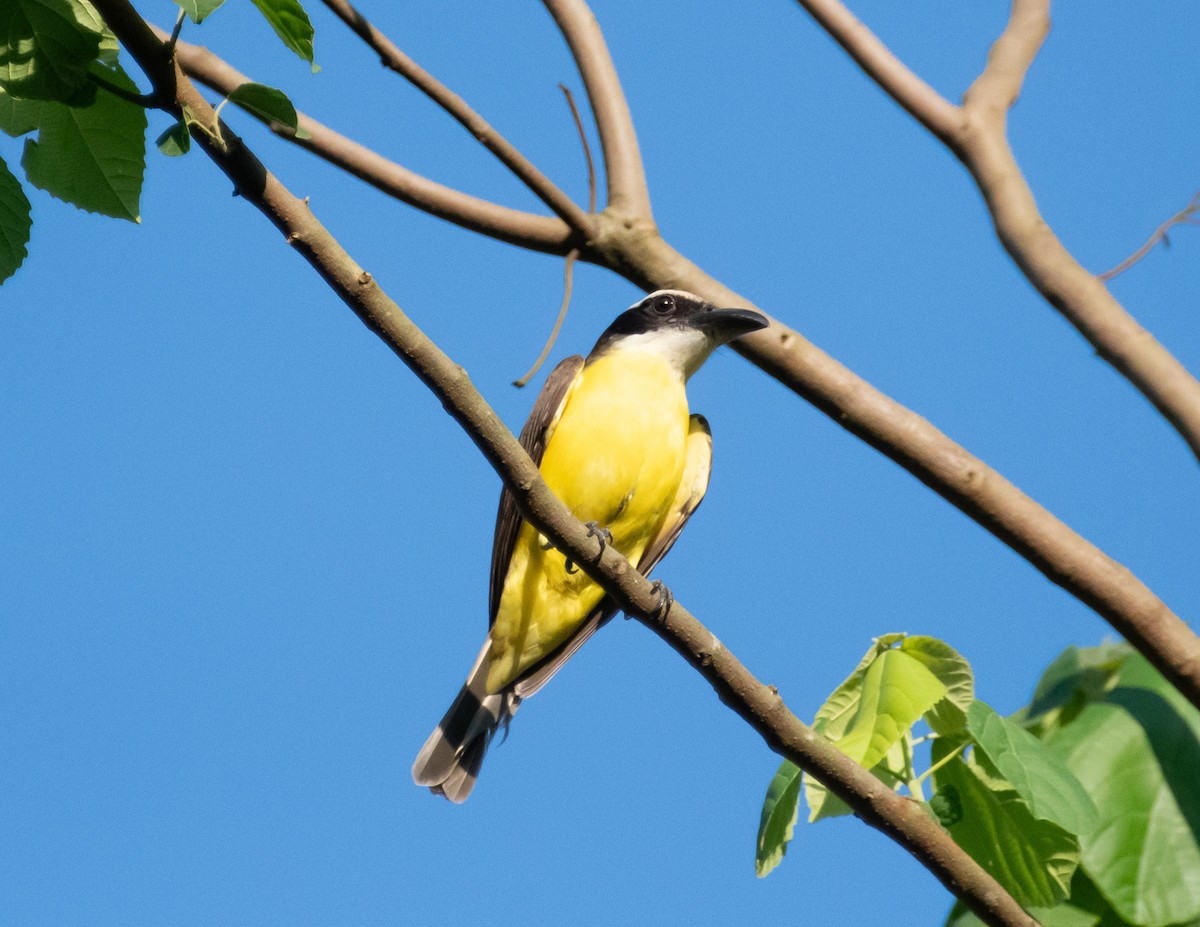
449	762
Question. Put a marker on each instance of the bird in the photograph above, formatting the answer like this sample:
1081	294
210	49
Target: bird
614	439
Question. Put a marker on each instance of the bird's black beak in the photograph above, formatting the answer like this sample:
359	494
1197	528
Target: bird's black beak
728	324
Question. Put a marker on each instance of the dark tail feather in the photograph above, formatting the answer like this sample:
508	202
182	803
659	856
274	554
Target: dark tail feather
449	762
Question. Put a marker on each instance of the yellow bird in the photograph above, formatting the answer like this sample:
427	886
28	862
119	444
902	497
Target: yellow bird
614	441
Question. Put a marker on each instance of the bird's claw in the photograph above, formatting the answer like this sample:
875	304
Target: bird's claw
601	534
665	600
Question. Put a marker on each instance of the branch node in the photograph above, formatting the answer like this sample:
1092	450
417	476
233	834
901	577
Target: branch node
364	279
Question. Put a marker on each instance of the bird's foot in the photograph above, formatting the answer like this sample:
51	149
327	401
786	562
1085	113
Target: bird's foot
665	601
601	534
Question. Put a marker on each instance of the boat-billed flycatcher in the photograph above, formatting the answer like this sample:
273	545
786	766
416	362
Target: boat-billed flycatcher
613	439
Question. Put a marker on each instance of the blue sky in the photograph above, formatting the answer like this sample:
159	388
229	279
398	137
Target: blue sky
243	553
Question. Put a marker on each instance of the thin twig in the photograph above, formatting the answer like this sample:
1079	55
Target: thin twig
568	280
394	59
569	269
759	705
539	233
976	133
1187	215
626	177
171	42
942	762
587	149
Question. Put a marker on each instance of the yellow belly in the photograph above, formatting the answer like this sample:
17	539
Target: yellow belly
616	458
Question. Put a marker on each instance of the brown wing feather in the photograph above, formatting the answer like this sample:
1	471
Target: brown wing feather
691	492
533	438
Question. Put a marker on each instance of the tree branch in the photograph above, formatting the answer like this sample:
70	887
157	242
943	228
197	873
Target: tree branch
930	108
759	705
540	233
627	190
976	134
1063	556
637	252
394	59
1010	58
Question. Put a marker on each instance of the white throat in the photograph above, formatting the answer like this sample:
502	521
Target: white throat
685	349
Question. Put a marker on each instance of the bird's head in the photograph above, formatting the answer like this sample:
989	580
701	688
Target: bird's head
679	326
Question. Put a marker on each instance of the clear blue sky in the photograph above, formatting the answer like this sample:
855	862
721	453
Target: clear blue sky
243	553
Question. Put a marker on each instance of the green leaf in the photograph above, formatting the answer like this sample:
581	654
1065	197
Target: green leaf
779	813
1076	678
45	50
175	141
93	157
18	117
1085	907
1137	753
893	693
1034	860
291	24
87	17
197	10
15	223
948	716
269	105
835	715
1039	776
897	689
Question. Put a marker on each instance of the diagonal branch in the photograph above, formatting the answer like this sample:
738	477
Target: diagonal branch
1063	556
393	58
937	114
539	233
1068	560
761	706
627	191
976	134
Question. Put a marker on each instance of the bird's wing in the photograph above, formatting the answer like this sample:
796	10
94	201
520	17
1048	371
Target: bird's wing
534	437
696	471
693	486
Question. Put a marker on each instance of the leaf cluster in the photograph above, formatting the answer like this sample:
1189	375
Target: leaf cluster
64	90
1084	805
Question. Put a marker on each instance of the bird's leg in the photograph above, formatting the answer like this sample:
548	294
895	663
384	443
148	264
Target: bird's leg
601	534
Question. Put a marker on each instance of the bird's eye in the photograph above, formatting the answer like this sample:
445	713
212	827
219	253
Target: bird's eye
664	304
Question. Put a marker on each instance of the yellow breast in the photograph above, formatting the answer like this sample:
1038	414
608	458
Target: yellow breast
615	457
